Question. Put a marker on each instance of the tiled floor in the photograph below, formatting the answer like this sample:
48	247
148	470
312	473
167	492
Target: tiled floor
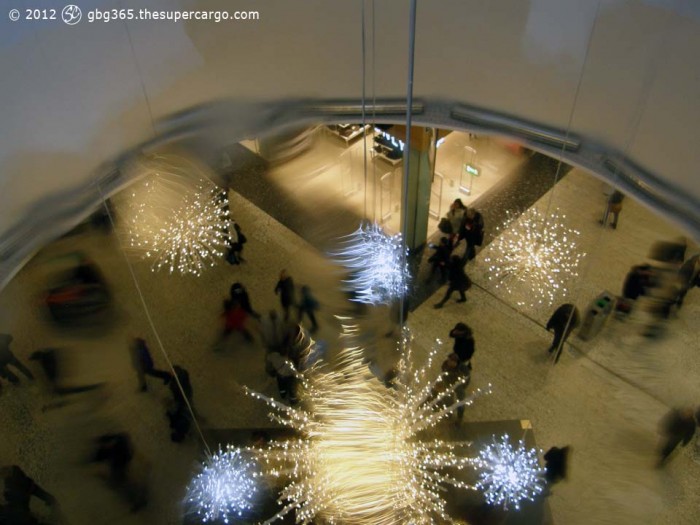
604	398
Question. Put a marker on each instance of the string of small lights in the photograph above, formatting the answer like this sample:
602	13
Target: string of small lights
179	223
225	487
358	457
508	475
533	257
377	263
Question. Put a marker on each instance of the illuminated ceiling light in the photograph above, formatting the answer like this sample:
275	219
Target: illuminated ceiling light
176	218
533	256
359	457
509	475
225	488
377	262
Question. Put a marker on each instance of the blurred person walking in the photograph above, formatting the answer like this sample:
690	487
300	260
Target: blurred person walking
636	282
8	358
52	362
239	294
457	372
676	427
19	489
285	289
563	321
280	366
308	305
180	386
235	320
180	416
458	282
614	206
440	260
142	362
688	276
117	452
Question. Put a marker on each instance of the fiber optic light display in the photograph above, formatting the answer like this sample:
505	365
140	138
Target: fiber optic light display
359	458
226	487
377	262
175	217
508	475
533	257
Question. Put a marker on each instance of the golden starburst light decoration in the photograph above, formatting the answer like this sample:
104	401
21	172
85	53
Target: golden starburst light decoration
175	217
533	256
361	455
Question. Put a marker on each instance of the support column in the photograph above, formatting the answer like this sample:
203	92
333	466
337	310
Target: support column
414	220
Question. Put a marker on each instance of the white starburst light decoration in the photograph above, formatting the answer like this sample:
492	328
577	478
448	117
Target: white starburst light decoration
360	456
508	475
226	486
176	217
377	262
533	256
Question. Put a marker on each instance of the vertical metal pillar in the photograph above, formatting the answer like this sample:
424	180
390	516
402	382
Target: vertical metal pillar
417	187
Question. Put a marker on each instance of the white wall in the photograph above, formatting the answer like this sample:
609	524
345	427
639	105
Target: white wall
621	72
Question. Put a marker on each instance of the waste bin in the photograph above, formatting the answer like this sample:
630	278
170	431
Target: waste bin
597	313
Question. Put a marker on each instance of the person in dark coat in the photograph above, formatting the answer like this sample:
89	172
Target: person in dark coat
440	260
472	231
456	370
636	282
635	285
458	282
180	421
285	289
181	386
563	321
236	240
8	358
308	305
117	452
239	295
455	218
464	342
556	464
676	427
143	364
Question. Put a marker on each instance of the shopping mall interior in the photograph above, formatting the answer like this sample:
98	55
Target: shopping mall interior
149	165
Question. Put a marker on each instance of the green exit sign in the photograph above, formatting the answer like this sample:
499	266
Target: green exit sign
472	170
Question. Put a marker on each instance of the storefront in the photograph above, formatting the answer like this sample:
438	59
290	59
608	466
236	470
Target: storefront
333	167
